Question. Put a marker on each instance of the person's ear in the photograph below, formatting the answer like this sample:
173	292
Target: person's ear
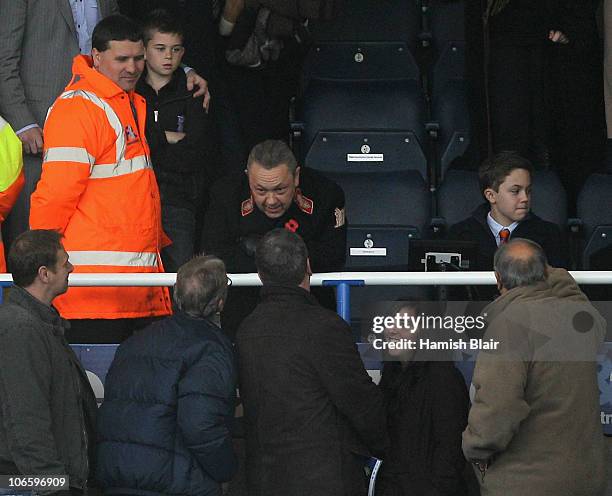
308	269
43	273
499	282
296	177
489	194
95	56
220	305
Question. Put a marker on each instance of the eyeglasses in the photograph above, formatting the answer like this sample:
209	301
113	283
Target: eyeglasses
229	282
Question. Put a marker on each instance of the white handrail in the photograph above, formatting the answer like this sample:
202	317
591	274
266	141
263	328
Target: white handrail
369	278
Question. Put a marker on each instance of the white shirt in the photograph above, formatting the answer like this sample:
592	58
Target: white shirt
86	15
496	227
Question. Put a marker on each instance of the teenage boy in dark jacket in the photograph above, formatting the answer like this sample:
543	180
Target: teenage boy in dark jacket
177	130
505	183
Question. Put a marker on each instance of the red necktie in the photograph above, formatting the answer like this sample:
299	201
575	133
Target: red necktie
504	236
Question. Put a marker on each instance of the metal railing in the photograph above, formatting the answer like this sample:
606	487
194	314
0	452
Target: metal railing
342	280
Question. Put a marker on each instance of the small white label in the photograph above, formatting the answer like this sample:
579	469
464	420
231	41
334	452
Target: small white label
365	157
368	252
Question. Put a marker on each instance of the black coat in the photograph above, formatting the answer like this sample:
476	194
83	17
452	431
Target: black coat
184	169
310	407
233	224
475	228
546	234
47	407
169	400
233	217
427	405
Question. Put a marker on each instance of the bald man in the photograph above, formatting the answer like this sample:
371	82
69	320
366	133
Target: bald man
534	423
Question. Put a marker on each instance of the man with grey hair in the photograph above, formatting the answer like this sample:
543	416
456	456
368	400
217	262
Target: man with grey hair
534	426
170	397
310	407
273	193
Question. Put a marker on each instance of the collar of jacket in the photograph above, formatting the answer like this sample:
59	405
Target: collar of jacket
185	320
273	292
176	87
559	284
85	77
48	314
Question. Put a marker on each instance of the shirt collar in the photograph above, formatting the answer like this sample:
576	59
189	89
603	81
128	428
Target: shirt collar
495	227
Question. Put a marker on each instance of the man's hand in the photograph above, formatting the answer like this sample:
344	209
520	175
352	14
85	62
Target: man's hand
32	140
194	79
173	137
558	37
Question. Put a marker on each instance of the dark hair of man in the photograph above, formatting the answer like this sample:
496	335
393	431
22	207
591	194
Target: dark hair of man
30	251
114	28
272	153
281	258
200	284
494	171
515	272
163	22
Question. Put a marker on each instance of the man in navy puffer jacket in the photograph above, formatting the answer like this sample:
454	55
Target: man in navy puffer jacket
164	425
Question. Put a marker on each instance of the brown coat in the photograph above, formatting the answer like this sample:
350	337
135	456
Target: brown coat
535	411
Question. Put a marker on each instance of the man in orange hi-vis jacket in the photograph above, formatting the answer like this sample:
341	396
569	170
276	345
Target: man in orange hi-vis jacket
11	176
98	188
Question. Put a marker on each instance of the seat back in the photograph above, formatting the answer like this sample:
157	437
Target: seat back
360	61
364	127
594	208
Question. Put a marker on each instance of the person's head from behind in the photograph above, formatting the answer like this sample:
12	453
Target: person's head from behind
505	182
201	287
118	51
273	177
519	263
38	262
404	330
282	259
163	40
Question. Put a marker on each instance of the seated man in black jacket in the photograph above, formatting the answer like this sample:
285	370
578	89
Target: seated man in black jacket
177	130
505	182
170	396
273	193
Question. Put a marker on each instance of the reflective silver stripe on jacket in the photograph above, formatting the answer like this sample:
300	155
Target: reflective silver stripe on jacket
122	165
115	258
69	154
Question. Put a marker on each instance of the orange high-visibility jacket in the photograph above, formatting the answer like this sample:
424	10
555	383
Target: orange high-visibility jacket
11	176
98	189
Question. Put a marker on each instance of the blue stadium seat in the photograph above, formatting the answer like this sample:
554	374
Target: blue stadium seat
372	20
446	25
458	196
595	210
549	199
384	212
362	127
360	61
